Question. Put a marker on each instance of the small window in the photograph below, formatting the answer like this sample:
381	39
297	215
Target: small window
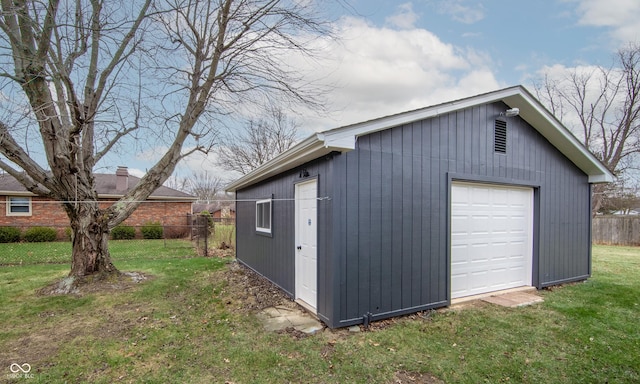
263	216
18	206
500	137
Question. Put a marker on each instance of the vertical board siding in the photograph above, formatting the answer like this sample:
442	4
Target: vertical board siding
274	256
393	188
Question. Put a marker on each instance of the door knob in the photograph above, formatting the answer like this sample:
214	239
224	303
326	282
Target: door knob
299	247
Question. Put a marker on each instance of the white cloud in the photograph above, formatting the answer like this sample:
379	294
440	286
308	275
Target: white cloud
381	71
404	18
461	12
372	71
136	172
620	16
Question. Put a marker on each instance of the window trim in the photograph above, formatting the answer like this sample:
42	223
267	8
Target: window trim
11	204
263	229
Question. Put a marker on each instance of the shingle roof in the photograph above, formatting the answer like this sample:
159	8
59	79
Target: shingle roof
105	186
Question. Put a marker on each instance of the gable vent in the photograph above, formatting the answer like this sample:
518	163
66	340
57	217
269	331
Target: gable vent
500	137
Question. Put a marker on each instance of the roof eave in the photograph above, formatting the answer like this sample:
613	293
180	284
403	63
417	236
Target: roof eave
311	148
344	138
559	136
17	193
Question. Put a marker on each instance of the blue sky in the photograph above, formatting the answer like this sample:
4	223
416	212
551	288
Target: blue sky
430	51
396	56
518	37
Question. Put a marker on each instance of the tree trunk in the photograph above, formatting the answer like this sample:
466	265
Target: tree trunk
90	237
597	195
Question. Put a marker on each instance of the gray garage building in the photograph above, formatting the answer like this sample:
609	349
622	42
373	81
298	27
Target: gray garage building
407	212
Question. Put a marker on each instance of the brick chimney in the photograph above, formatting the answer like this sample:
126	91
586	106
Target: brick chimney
122	179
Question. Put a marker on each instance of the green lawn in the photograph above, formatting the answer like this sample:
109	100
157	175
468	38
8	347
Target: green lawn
60	251
222	233
184	325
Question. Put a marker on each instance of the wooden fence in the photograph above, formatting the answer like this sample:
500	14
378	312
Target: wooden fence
616	230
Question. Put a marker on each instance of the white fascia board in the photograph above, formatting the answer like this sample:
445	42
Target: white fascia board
339	142
597	179
559	136
309	149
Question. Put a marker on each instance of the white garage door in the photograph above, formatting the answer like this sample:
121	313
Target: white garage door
491	238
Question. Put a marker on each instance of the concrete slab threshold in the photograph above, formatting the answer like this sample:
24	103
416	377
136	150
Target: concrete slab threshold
515	297
280	317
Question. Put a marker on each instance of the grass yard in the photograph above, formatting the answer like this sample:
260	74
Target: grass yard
186	325
222	233
60	251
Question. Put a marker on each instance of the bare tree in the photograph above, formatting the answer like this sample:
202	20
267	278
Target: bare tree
605	103
618	198
205	186
95	75
262	140
177	182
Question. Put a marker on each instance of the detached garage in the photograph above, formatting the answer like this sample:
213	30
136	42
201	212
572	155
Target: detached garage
406	212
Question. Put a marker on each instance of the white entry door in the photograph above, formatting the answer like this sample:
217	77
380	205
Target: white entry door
306	242
491	238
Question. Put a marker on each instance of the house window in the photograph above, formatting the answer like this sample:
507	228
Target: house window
263	216
18	206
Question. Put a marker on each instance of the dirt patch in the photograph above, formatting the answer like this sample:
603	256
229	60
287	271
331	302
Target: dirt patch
247	291
293	333
222	252
115	282
380	325
58	329
402	377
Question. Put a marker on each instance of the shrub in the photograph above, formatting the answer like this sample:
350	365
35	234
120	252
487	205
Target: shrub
9	234
208	216
40	234
151	230
176	232
123	232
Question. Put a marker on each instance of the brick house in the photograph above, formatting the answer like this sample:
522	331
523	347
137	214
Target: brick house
21	208
224	213
221	211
